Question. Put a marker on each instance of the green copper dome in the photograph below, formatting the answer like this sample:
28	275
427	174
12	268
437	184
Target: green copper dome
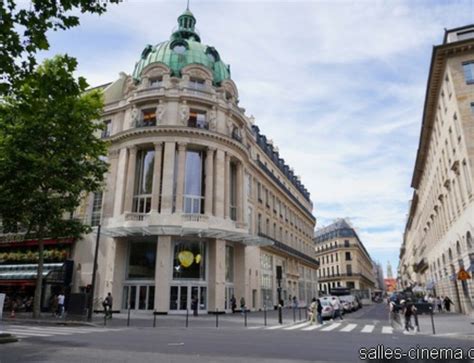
184	48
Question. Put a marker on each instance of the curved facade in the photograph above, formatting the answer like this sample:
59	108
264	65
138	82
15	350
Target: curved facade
198	204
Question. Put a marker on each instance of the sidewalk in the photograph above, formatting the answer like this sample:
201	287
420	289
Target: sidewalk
146	319
447	325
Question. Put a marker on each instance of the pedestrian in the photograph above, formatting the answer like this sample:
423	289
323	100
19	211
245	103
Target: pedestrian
319	309
108	302
312	311
242	305
408	312
395	313
233	304
336	305
194	305
439	303
447	303
60	305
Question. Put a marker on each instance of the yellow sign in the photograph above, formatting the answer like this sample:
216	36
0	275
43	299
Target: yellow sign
463	275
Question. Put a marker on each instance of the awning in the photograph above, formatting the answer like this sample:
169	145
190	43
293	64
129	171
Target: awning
27	271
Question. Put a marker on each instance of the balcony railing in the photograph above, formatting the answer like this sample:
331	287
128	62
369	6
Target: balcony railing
145	123
193	204
135	216
191	217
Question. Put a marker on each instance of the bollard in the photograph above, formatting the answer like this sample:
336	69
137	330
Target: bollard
245	317
187	318
432	321
128	316
299	312
265	315
294	314
217	319
154	319
280	316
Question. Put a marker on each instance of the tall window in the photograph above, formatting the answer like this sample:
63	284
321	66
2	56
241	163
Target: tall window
107	129
229	263
233	191
349	269
259	191
468	68
189	260
96	209
194	182
141	260
198	120
259	223
143	181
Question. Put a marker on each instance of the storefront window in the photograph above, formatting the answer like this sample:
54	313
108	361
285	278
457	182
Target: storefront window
189	260
141	263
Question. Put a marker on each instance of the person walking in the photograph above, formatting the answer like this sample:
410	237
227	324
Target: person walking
408	311
336	305
194	305
233	304
108	302
319	309
312	311
60	305
242	305
439	303
447	303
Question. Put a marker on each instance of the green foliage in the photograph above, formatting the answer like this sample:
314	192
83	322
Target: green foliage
23	32
49	153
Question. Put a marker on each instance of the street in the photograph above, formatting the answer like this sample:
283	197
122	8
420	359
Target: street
337	341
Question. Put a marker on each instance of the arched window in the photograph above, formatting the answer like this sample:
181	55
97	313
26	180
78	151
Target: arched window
450	254
469	241
458	248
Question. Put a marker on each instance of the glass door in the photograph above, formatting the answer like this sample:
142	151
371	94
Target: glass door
140	297
183	297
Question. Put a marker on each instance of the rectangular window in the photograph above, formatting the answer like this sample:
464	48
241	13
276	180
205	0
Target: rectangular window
259	223
189	260
107	129
198	120
233	191
468	34
259	192
198	84
148	118
472	107
141	261
156	82
346	243
143	181
348	256
96	209
468	68
194	183
229	264
349	270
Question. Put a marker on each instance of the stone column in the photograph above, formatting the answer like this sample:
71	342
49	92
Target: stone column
168	178
120	182
219	184
240	192
163	273
109	191
227	186
241	275
132	161
180	177
216	265
155	196
209	181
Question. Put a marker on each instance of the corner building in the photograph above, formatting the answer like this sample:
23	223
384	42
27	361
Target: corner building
438	239
198	203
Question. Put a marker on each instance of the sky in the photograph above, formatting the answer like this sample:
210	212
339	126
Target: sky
338	86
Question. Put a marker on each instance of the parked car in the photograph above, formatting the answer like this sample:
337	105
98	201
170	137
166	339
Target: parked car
346	305
352	300
329	299
327	308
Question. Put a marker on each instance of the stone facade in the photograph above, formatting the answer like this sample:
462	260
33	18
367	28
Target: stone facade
343	258
198	205
438	238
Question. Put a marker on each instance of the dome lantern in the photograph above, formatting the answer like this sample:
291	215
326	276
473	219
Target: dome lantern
186	24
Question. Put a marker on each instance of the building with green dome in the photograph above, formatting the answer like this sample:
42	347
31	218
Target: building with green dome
198	206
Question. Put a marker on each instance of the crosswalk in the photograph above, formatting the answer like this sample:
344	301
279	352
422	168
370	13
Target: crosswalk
330	327
23	331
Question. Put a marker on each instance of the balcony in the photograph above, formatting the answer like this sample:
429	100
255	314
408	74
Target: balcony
145	123
135	216
193	217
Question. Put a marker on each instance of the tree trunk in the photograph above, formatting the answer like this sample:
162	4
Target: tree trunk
39	278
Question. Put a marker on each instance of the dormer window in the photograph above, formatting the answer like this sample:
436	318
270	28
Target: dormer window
148	118
156	82
197	83
198	120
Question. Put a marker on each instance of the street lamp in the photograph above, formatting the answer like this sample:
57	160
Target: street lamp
94	272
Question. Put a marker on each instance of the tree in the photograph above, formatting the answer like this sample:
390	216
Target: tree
23	32
50	156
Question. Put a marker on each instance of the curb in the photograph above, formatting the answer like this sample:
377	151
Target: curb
7	338
49	322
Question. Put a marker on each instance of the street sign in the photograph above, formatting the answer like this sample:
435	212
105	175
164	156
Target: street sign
463	275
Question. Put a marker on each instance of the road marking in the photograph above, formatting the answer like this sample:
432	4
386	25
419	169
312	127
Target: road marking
387	330
274	327
311	327
28	333
254	327
368	329
331	327
349	327
297	326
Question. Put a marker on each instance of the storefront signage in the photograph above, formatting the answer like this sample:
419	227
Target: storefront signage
463	275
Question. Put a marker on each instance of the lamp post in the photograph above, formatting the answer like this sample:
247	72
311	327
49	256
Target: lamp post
94	272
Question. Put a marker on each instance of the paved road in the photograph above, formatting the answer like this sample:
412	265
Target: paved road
338	341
